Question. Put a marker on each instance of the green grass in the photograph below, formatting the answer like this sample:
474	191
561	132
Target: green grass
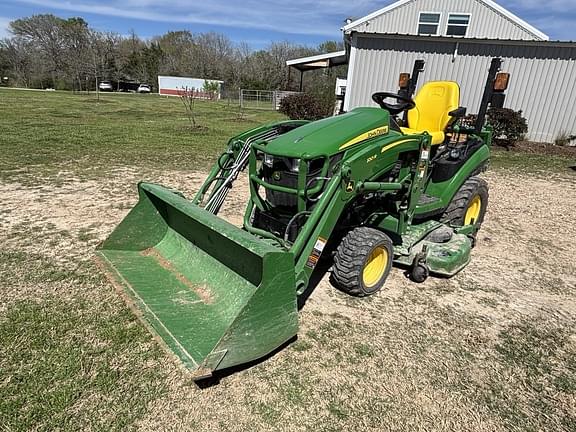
72	356
83	367
44	130
70	362
541	363
522	162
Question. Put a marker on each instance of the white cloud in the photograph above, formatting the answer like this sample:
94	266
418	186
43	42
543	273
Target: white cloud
4	22
308	17
312	17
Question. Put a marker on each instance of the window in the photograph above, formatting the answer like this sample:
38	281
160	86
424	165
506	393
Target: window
428	23
457	24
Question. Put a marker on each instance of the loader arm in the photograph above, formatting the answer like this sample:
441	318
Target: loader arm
234	160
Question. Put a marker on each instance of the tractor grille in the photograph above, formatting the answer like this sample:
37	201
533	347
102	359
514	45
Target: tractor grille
281	174
277	224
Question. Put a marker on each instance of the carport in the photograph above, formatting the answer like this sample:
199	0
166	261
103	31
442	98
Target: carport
321	61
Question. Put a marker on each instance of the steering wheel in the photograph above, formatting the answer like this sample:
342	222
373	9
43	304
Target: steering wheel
404	103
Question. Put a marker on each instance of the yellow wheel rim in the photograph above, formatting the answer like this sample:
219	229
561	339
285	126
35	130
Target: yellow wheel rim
473	212
375	267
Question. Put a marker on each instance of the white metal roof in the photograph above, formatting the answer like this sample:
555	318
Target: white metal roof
529	28
315	58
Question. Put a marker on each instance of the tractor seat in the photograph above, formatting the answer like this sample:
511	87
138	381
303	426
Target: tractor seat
436	108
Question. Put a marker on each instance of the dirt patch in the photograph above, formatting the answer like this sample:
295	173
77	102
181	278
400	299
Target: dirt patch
433	356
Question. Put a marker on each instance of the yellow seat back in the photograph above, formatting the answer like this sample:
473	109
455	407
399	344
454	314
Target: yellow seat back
434	102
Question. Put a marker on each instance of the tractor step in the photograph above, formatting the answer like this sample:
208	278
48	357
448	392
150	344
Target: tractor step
427	199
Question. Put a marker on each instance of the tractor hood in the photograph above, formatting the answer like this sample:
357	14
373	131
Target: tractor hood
332	135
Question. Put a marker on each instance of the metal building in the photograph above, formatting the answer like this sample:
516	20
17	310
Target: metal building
176	86
457	39
543	83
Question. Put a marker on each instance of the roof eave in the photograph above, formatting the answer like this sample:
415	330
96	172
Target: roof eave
530	42
375	14
315	58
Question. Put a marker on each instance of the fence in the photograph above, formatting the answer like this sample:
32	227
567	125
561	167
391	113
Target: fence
262	99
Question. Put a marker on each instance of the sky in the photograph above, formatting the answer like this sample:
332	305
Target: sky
257	22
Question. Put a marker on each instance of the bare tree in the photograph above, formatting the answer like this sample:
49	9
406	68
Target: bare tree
18	56
188	98
46	32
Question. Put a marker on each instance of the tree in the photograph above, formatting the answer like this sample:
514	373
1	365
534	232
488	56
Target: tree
46	33
76	48
61	45
177	49
151	58
17	59
211	87
46	50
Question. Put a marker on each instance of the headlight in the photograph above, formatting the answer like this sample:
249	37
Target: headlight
268	160
295	165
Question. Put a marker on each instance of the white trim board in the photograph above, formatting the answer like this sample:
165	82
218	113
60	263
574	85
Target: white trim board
350	75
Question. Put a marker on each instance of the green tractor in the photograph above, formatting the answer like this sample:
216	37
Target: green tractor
363	190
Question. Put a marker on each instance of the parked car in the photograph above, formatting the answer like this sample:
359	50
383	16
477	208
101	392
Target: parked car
105	86
144	88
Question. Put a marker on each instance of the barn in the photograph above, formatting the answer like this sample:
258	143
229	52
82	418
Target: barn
458	39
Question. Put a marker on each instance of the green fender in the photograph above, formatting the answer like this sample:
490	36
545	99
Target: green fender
445	191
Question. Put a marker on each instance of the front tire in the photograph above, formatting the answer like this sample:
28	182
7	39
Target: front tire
468	205
363	262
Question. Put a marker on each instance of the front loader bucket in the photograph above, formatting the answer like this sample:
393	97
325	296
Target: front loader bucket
215	295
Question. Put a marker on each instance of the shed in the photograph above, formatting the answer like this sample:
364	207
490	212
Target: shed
321	61
175	86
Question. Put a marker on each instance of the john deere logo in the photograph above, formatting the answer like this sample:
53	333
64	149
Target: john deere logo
276	176
350	187
365	136
379	131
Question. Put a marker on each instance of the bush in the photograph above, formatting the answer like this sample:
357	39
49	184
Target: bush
302	106
564	139
509	125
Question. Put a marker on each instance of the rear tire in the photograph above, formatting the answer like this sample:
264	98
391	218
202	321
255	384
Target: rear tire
468	205
362	262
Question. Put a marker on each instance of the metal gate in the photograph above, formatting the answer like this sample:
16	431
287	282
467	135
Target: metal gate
262	99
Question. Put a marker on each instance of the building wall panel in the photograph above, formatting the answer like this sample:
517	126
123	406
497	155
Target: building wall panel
542	81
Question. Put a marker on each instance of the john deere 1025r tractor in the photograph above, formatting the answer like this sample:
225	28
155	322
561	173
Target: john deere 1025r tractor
364	189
